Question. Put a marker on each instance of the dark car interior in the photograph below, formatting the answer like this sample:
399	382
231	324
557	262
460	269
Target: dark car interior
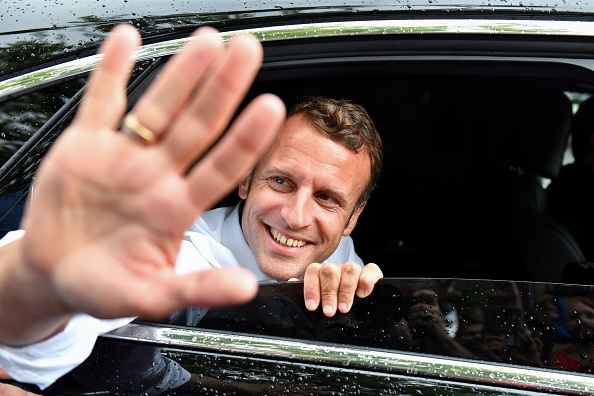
469	150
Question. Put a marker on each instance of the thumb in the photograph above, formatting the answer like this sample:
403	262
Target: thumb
214	287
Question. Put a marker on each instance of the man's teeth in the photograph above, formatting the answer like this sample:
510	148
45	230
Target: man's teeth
283	240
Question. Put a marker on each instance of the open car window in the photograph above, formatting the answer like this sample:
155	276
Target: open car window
476	127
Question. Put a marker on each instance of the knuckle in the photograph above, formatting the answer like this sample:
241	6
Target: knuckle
328	270
351	268
313	268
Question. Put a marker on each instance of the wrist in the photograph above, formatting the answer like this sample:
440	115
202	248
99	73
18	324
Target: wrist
30	309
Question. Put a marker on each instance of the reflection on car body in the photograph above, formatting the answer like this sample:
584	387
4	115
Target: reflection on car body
380	332
485	292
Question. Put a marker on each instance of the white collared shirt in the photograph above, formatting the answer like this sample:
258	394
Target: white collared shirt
214	240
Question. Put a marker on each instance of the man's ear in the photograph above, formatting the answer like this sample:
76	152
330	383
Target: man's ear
244	187
353	220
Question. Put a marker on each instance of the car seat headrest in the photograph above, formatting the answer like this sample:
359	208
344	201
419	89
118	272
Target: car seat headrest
533	130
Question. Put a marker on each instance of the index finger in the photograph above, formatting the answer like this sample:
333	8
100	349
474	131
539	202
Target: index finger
105	97
311	286
370	275
177	82
232	158
216	101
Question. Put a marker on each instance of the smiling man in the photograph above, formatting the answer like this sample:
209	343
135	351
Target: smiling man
299	206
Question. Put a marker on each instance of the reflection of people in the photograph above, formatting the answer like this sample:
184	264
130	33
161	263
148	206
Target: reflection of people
575	352
505	334
493	332
548	319
525	351
470	335
103	231
428	327
571	193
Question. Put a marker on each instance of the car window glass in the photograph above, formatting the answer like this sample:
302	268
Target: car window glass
527	324
20	119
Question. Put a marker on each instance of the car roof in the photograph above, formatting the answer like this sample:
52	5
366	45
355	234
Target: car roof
34	31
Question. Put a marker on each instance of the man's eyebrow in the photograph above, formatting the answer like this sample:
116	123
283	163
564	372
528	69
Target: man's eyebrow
273	169
276	169
338	194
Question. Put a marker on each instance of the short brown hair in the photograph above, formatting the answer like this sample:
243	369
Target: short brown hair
349	124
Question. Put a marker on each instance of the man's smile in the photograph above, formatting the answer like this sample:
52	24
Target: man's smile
284	241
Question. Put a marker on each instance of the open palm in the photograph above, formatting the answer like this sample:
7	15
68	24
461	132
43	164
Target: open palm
110	212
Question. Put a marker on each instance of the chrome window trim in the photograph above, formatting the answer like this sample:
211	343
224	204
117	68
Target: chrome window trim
327	29
385	361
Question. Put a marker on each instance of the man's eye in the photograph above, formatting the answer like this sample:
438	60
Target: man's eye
324	197
279	180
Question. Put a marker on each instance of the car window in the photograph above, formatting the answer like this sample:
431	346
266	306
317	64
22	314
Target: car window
519	323
21	122
424	328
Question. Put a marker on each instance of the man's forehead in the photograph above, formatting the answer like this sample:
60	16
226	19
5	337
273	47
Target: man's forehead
295	121
308	145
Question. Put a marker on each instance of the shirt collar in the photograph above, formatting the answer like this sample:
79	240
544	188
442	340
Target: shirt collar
234	240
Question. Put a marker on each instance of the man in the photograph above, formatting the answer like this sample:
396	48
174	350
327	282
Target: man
141	246
299	205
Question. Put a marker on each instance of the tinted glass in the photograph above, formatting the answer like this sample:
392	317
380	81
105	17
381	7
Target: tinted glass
520	323
512	323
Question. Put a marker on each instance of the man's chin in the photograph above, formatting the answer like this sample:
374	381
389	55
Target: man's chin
281	271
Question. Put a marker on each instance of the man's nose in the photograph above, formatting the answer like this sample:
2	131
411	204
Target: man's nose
298	210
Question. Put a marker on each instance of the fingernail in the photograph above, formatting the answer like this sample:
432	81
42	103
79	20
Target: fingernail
342	307
328	309
310	304
361	293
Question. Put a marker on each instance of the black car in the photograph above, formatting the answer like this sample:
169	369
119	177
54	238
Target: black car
487	287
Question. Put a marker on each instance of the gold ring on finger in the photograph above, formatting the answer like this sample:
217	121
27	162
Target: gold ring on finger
133	128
